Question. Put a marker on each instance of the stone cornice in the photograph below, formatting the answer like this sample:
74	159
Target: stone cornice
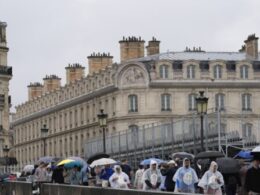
206	83
66	104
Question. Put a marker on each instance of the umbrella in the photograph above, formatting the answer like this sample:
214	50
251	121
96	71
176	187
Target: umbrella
63	162
103	161
182	155
28	168
46	160
148	161
96	157
78	159
244	155
72	164
228	165
209	154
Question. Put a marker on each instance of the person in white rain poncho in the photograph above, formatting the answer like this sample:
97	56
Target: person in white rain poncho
185	178
119	179
212	180
152	177
138	183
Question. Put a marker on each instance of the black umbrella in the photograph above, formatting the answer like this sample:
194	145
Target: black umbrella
182	155
209	155
228	165
96	157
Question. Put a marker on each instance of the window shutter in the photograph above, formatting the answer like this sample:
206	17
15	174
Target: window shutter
248	101
166	71
190	102
136	104
188	72
215	72
168	97
241	72
220	72
161	71
193	71
222	101
162	102
246	72
243	102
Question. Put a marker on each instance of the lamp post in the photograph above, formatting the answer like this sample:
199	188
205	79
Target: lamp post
102	119
6	150
202	106
44	133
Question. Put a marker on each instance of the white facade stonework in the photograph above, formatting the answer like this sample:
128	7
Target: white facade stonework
70	112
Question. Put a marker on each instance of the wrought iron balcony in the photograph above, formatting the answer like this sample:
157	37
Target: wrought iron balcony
6	70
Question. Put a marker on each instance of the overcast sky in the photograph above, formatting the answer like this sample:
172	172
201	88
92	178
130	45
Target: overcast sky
45	35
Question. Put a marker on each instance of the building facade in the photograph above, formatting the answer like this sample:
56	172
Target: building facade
137	91
5	99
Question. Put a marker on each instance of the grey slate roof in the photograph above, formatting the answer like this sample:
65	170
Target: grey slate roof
207	56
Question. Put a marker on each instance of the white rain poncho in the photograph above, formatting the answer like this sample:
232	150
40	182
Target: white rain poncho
152	175
185	178
119	179
212	180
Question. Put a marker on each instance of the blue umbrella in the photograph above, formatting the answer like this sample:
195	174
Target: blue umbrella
148	161
244	154
72	164
78	159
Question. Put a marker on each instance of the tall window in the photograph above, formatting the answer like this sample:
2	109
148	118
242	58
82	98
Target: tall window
244	72
220	101
165	102
134	133
217	72
246	102
192	102
247	130
191	72
133	103
164	71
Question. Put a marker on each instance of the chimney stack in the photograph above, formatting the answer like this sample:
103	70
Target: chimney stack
51	83
153	47
131	48
98	61
34	90
252	46
74	72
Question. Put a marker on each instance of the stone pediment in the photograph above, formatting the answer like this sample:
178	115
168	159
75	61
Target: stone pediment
133	76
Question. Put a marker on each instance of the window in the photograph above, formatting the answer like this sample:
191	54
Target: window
220	101
164	72
244	72
246	102
134	133
217	72
247	130
191	72
166	102
133	103
192	102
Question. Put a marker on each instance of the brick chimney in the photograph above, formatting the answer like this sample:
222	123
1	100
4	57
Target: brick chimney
131	48
251	46
74	72
153	47
98	61
34	90
51	82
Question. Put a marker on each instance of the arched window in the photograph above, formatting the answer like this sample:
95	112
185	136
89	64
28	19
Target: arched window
246	102
247	130
191	72
244	72
164	71
217	72
220	101
192	102
166	102
133	103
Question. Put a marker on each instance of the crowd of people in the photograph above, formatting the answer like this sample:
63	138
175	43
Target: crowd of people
171	176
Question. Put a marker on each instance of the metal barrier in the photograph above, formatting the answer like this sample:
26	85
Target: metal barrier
16	188
222	130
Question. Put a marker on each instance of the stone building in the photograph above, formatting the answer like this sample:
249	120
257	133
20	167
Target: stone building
139	90
5	99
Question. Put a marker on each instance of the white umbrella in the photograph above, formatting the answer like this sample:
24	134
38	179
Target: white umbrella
103	161
28	168
256	150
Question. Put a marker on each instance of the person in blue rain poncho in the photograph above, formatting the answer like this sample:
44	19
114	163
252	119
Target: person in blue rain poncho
185	178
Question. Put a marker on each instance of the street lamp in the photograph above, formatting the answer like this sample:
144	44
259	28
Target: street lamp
6	150
44	133
202	106
102	119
